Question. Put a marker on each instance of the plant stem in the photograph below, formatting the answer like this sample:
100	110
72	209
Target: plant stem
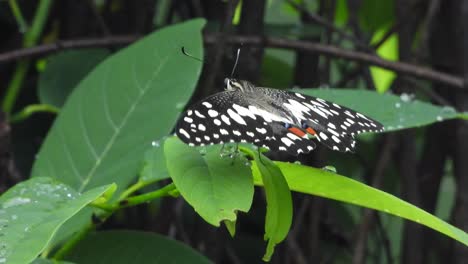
70	244
144	198
135	187
30	39
23	26
32	109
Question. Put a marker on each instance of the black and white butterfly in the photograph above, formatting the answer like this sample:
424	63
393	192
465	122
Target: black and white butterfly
275	119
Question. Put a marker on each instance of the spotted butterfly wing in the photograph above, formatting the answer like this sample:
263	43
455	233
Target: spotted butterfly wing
275	119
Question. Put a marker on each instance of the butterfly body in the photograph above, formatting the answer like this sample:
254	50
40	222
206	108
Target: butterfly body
276	119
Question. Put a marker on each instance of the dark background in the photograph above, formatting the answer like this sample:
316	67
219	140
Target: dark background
427	166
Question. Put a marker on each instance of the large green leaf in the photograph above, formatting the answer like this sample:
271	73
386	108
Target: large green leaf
64	71
133	247
333	186
129	100
395	112
216	187
31	213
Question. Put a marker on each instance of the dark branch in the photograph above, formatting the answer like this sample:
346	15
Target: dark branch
326	50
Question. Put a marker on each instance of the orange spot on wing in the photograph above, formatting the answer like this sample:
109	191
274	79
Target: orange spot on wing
311	131
296	131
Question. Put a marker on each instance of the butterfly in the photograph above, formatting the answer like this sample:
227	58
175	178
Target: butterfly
275	119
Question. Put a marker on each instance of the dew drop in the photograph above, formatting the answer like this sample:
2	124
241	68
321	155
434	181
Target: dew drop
247	163
297	162
397	105
439	118
329	168
14	217
180	106
406	97
15	202
202	150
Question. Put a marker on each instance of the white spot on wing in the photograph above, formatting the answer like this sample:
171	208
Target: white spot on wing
226	120
250	134
236	117
217	122
336	139
287	141
237	133
207	138
183	132
323	136
223	132
332	125
188	119
201	127
215	135
261	130
208	105
292	136
243	111
198	114
299	95
212	113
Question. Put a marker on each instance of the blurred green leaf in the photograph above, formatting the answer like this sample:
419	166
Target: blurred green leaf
341	13
395	112
333	186
31	213
49	261
214	186
133	247
64	71
373	15
279	203
384	78
131	99
275	71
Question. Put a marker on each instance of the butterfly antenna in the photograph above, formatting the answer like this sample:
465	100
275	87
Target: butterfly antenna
189	55
235	63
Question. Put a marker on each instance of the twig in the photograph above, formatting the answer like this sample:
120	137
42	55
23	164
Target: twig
332	51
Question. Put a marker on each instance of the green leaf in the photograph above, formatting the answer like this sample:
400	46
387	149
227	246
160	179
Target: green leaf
375	14
215	187
333	186
133	247
395	112
154	168
129	100
31	213
64	71
279	202
384	78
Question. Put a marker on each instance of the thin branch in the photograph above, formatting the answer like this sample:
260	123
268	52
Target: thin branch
332	51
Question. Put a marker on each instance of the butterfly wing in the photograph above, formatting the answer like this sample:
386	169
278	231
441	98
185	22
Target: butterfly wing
215	121
333	125
231	116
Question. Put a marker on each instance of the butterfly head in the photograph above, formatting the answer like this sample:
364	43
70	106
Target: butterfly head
231	84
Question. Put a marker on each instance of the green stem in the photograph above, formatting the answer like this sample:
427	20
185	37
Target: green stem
23	26
71	243
32	109
135	187
30	39
144	198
